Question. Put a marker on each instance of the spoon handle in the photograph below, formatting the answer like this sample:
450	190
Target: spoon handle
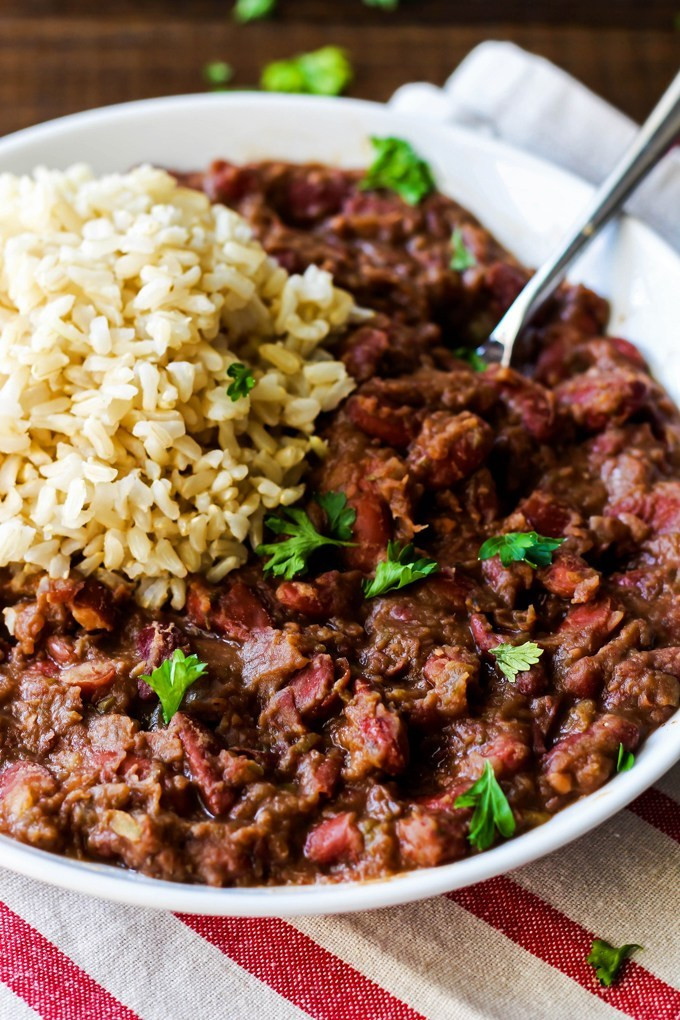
655	137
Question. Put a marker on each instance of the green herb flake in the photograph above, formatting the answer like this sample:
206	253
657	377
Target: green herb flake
172	678
492	812
244	380
253	10
461	256
323	72
469	354
398	167
401	567
282	76
514	659
327	72
341	517
625	760
218	73
289	558
385	5
608	960
536	550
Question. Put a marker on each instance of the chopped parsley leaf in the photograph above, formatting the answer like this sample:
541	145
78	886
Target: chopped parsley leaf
398	167
283	76
625	760
461	256
323	72
387	5
399	569
608	960
253	10
171	679
536	550
218	73
244	380
340	516
492	812
470	355
514	659
289	558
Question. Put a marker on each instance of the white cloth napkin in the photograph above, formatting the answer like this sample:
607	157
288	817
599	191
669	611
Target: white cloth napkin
528	102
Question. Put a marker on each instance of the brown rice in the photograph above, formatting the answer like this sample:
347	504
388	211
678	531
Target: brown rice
123	301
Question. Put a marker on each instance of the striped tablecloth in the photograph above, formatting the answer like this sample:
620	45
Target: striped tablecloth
513	948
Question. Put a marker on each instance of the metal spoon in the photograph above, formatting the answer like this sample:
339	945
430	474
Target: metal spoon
657	134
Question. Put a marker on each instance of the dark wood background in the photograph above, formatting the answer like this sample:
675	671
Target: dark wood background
58	56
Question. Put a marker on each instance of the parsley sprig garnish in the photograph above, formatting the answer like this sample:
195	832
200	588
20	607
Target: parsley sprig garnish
625	759
253	10
401	567
341	517
244	380
534	549
290	557
172	678
514	659
323	72
492	812
398	167
608	960
461	256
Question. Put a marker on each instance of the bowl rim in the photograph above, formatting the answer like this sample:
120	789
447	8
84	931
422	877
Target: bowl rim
659	752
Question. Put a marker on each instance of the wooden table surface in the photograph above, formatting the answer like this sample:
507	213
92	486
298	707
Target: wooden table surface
58	56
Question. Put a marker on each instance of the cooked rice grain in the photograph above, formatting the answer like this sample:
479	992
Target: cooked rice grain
123	301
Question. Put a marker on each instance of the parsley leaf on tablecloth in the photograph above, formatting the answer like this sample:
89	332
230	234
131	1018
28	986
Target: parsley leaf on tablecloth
608	960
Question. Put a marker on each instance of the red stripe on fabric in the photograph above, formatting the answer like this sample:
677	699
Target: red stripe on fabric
553	937
658	810
47	980
299	969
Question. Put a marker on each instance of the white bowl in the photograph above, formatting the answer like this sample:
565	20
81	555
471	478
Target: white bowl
527	204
